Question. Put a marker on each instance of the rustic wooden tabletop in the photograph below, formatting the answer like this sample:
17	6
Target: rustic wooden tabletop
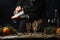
29	35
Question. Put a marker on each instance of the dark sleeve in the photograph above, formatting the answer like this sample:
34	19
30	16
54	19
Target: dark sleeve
19	3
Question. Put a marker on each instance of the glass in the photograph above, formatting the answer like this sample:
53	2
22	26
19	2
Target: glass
28	27
34	26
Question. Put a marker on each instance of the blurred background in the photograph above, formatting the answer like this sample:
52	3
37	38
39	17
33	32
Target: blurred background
6	10
7	7
45	10
45	18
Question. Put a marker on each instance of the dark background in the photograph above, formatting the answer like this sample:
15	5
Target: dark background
7	7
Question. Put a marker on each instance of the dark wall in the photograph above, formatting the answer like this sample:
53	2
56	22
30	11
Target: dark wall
51	6
7	7
40	10
6	10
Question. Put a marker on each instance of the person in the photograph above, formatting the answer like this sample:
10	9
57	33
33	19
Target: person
32	8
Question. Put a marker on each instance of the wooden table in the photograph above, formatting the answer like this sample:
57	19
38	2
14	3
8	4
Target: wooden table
28	35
